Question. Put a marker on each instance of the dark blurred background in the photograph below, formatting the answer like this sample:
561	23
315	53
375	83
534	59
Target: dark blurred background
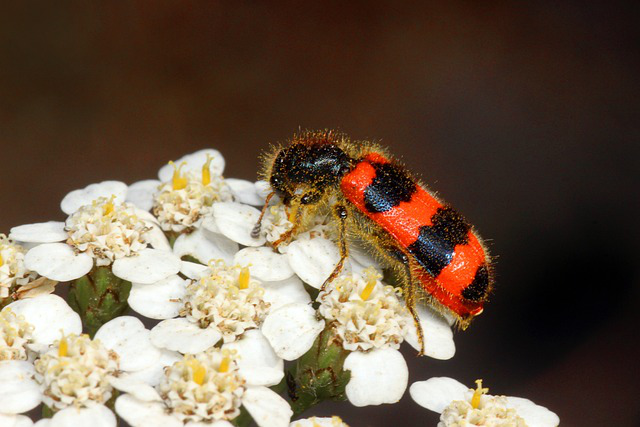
523	116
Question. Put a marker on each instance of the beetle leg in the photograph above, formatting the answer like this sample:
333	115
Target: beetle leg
410	291
340	213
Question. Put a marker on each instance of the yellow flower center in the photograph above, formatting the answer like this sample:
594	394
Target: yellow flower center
224	365
244	277
107	208
206	172
477	394
63	347
179	181
366	292
1	261
198	371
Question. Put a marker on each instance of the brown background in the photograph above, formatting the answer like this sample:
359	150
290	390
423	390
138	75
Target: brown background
522	116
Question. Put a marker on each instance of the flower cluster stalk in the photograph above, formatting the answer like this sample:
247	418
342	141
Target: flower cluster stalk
318	375
98	297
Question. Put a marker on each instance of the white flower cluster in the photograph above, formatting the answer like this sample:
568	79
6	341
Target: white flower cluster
364	313
204	387
15	334
12	268
182	203
106	231
460	406
76	371
231	308
227	298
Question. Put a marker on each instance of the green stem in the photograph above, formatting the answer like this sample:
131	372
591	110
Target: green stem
98	297
319	374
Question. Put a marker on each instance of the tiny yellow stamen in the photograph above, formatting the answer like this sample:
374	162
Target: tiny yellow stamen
198	371
63	347
108	207
243	278
206	172
1	261
293	213
366	292
179	181
477	394
224	365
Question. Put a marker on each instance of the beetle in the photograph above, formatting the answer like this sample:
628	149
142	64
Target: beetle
370	194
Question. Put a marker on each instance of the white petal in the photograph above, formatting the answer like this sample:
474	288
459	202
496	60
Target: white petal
313	260
377	377
183	336
244	191
438	337
209	224
265	264
437	393
149	266
141	193
156	237
292	329
284	292
205	246
154	373
194	162
534	415
192	270
95	416
263	189
127	336
139	413
160	300
258	363
139	389
236	221
10	420
145	216
50	316
18	390
42	232
266	407
77	198
57	261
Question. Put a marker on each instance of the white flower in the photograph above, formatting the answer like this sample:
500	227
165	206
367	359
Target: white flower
12	269
15	335
102	232
27	327
460	406
76	370
48	316
370	321
181	203
227	298
207	387
364	313
334	421
106	231
75	376
222	302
